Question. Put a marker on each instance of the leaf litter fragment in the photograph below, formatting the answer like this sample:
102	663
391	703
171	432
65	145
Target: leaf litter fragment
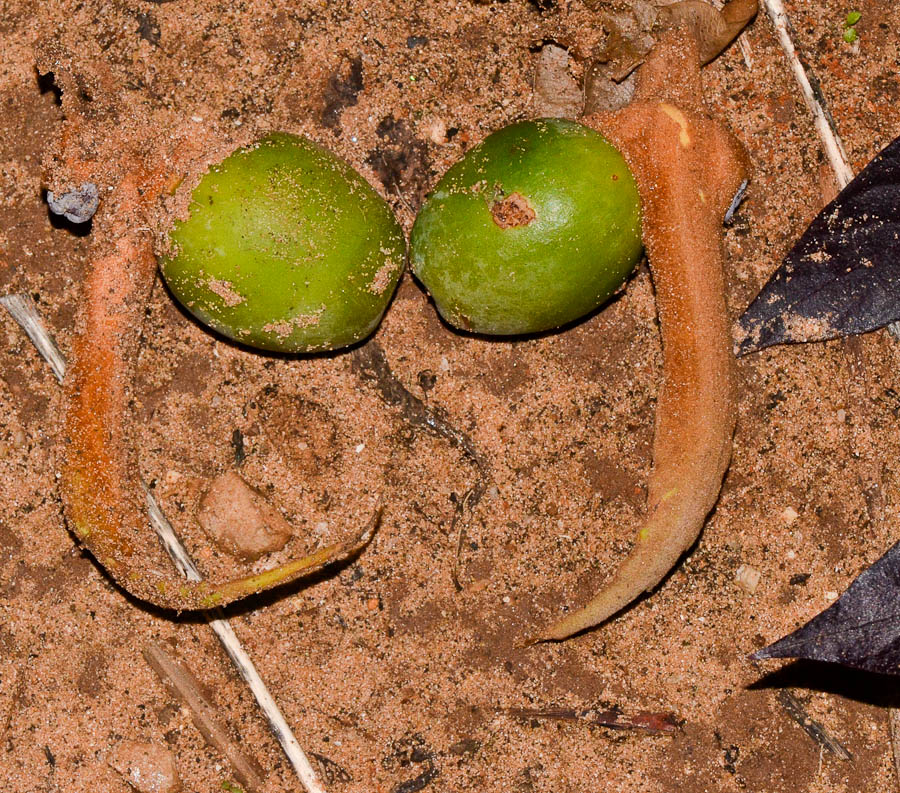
714	29
643	721
842	277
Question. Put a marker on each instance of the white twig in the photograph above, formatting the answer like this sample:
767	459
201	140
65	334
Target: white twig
222	628
825	126
744	44
24	311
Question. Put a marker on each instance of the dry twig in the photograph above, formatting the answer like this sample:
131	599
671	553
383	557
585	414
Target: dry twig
643	721
811	727
812	95
182	685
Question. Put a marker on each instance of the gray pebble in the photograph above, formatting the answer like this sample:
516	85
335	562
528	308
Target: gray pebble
77	205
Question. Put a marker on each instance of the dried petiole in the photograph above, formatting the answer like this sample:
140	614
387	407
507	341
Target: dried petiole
688	168
102	495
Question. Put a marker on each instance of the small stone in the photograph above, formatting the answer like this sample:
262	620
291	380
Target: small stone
831	596
239	519
435	130
747	578
77	206
557	93
148	768
789	515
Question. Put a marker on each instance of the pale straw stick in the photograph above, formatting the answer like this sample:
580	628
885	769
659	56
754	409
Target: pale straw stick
24	311
812	95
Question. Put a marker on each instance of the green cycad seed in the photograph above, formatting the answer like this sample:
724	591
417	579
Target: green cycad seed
286	248
535	227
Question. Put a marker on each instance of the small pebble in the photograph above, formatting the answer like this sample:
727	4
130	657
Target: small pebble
842	415
436	131
372	604
239	520
77	206
831	596
747	578
789	515
146	767
18	438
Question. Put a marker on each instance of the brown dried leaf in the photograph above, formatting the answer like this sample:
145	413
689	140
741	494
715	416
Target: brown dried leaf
713	29
625	49
602	94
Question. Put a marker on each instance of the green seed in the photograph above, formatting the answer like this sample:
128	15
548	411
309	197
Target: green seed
535	227
286	248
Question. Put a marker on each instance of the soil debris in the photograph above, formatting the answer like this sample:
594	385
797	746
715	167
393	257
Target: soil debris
342	90
370	363
642	721
402	162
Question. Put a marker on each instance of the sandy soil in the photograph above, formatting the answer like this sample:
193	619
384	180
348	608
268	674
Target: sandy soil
384	668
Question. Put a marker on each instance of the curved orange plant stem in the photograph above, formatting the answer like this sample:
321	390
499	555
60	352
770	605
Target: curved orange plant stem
688	168
101	493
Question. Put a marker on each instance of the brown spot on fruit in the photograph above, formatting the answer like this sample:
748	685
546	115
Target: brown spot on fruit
512	212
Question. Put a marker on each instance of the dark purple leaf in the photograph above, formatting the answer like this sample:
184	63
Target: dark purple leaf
842	277
861	629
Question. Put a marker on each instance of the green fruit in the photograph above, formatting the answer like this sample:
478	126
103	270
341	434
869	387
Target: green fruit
535	227
286	248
